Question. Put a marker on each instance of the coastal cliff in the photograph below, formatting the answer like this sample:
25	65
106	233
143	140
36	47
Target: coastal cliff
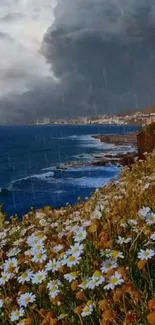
146	140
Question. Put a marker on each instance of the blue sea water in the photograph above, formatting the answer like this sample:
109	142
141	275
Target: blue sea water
29	156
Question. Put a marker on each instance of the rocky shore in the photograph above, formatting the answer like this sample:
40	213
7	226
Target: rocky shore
124	159
118	139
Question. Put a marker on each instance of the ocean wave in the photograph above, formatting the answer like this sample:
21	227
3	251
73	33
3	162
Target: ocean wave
108	168
90	182
59	138
58	192
43	176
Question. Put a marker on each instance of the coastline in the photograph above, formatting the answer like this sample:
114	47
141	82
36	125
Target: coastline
127	142
74	172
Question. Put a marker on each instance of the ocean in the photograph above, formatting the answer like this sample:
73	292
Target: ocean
30	156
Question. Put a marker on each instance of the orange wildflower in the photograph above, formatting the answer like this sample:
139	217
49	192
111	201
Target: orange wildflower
151	304
151	318
103	304
29	321
80	295
107	317
141	264
74	285
78	310
131	318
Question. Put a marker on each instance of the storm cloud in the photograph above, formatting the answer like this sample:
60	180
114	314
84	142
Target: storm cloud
78	57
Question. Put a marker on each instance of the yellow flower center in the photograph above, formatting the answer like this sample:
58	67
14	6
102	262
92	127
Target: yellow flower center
109	265
28	299
72	258
17	313
115	254
25	275
4	277
73	274
114	280
97	274
87	309
40	277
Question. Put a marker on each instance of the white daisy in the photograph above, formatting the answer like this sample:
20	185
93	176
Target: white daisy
38	247
11	265
53	287
5	276
57	248
16	314
121	240
87	310
114	280
39	257
39	277
84	284
80	234
144	211
106	253
53	265
108	265
71	260
34	239
117	254
146	254
76	250
25	277
26	298
96	280
71	276
150	219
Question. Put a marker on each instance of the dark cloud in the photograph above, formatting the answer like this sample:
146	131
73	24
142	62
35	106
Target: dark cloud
107	59
103	53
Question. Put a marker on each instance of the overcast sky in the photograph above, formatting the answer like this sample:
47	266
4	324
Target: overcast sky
67	58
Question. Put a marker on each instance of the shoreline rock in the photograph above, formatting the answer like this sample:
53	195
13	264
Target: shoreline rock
118	139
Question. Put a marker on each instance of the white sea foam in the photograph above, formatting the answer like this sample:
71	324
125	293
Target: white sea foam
59	192
90	182
43	176
110	168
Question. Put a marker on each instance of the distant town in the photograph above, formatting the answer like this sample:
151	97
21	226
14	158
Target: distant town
138	118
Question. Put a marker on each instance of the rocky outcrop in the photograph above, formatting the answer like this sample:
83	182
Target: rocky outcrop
120	139
146	140
126	159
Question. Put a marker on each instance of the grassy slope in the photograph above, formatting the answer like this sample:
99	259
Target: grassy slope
108	214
